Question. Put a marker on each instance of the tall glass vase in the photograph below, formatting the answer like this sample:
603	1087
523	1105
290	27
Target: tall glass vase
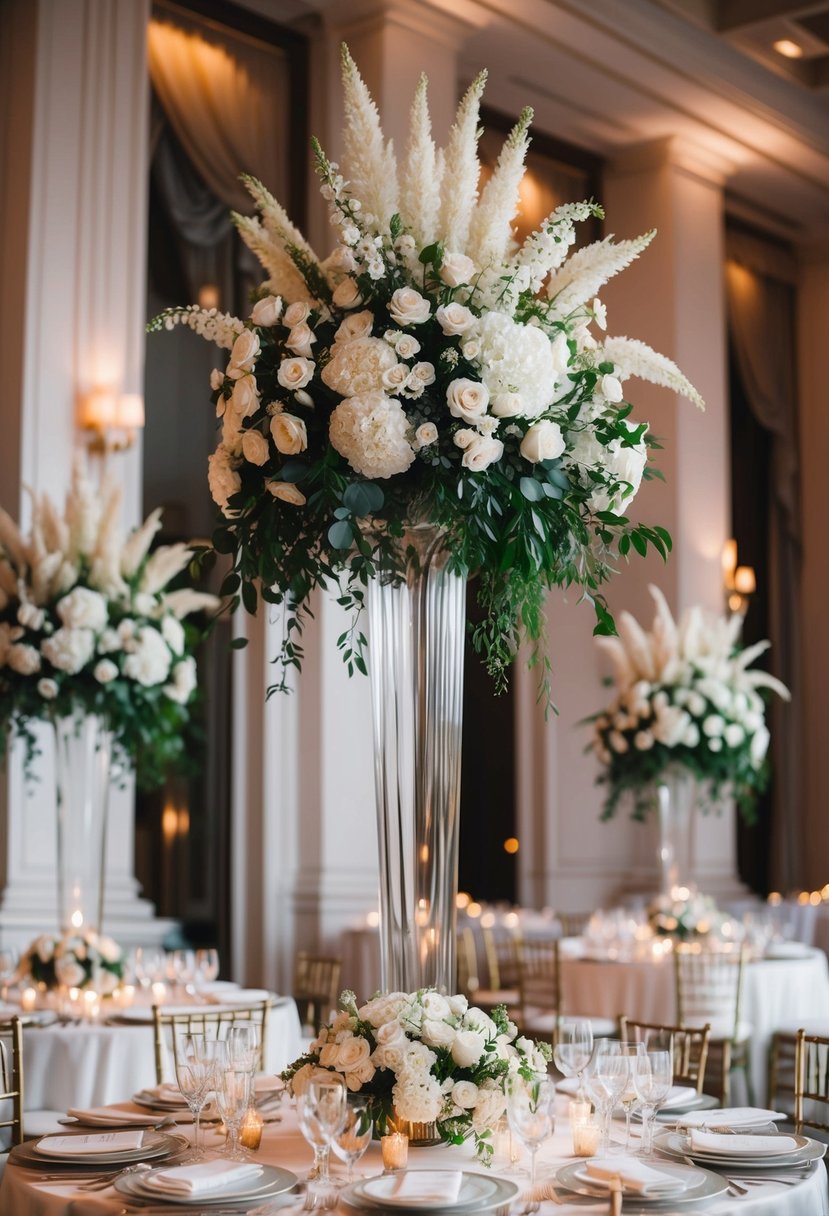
416	665
676	793
83	750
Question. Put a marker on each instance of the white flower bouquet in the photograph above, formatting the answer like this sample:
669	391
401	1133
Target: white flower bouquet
424	1058
87	624
683	696
683	913
77	960
428	370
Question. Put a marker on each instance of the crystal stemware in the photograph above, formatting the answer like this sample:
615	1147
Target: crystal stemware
573	1049
199	1062
606	1079
652	1079
355	1136
233	1091
207	965
531	1112
322	1114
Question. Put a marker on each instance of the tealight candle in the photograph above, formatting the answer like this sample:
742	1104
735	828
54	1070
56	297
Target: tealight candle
585	1129
250	1133
91	1005
159	991
395	1150
28	999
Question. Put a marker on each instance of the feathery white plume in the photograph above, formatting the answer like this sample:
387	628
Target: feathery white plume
419	178
275	218
490	233
638	646
461	170
285	280
369	162
185	601
138	543
11	540
614	648
588	269
664	633
164	565
630	357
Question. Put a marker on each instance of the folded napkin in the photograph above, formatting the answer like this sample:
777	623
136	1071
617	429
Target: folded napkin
633	1175
427	1186
116	1116
208	1176
714	1142
678	1095
101	1142
168	1094
729	1116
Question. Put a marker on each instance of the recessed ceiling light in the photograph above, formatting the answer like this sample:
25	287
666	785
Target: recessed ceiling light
788	48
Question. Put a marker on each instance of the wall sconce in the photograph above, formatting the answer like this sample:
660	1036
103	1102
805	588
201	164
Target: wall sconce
739	582
111	419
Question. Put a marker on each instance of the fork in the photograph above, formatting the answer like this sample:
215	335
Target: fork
103	1181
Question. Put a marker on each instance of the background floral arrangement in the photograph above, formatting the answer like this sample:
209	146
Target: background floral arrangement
684	696
87	625
427	370
77	960
423	1057
685	913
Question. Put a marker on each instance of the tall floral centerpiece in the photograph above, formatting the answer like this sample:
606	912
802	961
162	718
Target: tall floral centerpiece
686	710
429	400
93	643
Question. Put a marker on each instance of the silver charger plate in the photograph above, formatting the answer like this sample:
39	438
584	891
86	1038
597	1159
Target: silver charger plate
478	1193
703	1184
156	1144
25	1154
677	1144
701	1102
271	1182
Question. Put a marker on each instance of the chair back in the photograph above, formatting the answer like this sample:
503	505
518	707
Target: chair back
709	987
689	1046
811	1083
502	948
11	1082
212	1023
468	981
316	988
573	924
539	984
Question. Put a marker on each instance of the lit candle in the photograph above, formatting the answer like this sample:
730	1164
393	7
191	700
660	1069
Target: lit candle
251	1130
159	991
584	1128
28	999
91	1005
395	1150
745	581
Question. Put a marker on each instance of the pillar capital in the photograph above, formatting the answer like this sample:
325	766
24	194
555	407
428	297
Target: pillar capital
675	152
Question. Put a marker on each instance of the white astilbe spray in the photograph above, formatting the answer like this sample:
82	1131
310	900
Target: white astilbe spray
419	177
461	170
275	218
490	233
583	274
219	327
284	278
369	162
630	357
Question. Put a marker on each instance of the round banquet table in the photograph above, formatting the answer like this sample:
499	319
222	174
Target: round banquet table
776	992
22	1195
96	1064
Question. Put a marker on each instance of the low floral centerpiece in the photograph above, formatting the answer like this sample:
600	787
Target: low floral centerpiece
684	697
89	625
685	914
424	1058
77	960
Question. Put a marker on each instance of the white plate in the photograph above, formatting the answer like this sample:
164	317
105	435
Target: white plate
155	1144
478	1193
272	1181
676	1145
704	1187
680	1183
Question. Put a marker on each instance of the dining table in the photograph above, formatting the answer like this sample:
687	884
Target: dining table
27	1191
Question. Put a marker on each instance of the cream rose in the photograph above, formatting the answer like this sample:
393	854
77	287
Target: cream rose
357	325
105	671
288	492
464	437
407	346
289	434
467	399
454	318
395	377
245	397
611	389
352	1053
457	268
301	339
408	307
543	441
244	352
507	405
437	1033
47	688
255	447
267	312
425	434
296	313
83	609
295	373
481	453
468	1048
346	294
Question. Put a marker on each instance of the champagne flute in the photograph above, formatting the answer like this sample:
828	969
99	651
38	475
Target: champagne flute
629	1097
352	1141
573	1049
322	1113
198	1062
652	1079
531	1112
233	1099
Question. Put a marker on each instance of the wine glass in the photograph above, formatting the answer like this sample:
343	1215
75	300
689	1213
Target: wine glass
606	1080
573	1049
207	965
629	1097
352	1141
198	1063
652	1080
243	1045
322	1113
184	969
233	1090
531	1112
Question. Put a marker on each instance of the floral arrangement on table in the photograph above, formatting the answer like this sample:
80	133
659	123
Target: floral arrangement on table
88	624
427	370
683	913
684	696
76	960
424	1058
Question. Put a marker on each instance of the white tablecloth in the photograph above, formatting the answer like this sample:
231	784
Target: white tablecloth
20	1195
92	1065
776	992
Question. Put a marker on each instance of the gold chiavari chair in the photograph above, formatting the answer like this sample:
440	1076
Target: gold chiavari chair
501	956
573	924
689	1046
467	959
212	1023
539	986
11	1081
316	989
708	990
811	1083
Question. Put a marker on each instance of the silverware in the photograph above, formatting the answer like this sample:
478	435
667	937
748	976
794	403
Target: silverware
105	1180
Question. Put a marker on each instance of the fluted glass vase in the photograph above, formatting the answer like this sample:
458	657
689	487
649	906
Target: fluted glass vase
676	793
416	648
83	752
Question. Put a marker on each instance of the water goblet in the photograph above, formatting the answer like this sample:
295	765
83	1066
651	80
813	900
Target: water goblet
198	1063
531	1113
322	1112
233	1091
573	1049
629	1098
652	1080
355	1136
184	970
243	1045
606	1079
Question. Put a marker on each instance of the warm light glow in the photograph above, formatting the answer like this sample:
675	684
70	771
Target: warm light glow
76	919
209	295
814	898
775	898
169	824
745	581
511	920
463	899
28	999
511	845
111	418
97	410
473	909
130	411
424	853
729	557
488	920
788	48
373	920
184	821
803	897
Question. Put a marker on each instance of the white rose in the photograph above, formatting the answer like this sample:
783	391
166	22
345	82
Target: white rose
734	734
759	745
358	367
395	377
471	349
467	399
507	405
255	447
425	434
481	453
287	492
347	294
244	352
356	325
25	660
301	339
468	1048
47	688
424	373
454	318
543	441
83	609
457	268
267	311
289	434
408	307
105	671
296	313
354	1052
611	388
561	353
109	950
391	1034
437	1033
435	1005
149	664
458	1004
295	373
69	649
465	1094
407	346
245	397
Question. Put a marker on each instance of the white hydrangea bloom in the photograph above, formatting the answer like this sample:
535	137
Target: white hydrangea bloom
371	432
